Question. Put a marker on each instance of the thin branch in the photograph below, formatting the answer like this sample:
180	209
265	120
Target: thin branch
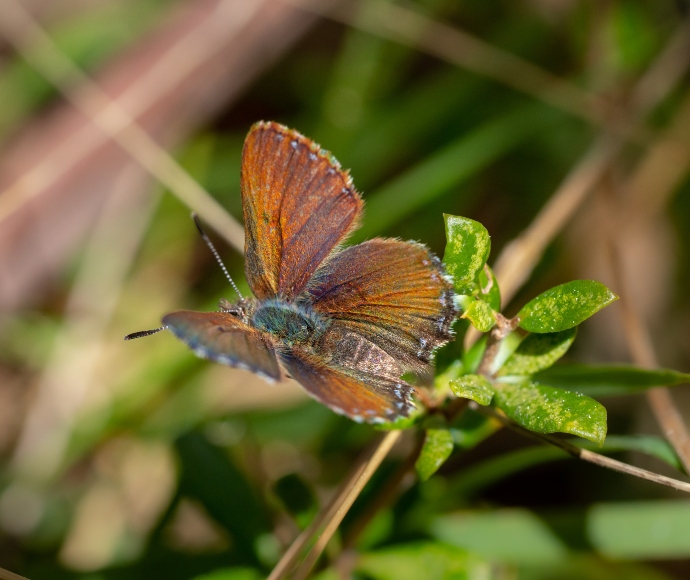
377	457
584	454
386	495
37	48
333	513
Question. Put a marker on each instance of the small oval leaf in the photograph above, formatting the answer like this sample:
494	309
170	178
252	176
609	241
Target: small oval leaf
537	352
480	314
438	445
565	306
467	249
545	409
473	387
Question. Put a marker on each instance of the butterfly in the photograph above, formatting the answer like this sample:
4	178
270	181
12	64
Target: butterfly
346	323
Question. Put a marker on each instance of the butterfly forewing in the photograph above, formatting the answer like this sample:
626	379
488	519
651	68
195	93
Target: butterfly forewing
223	337
393	293
298	205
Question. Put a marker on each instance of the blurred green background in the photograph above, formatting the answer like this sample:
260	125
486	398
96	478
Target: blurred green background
138	460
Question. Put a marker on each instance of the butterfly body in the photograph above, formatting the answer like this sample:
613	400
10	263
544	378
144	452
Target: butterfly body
345	323
289	324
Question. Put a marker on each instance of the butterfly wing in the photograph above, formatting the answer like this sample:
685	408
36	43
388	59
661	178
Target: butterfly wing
223	337
298	205
393	293
352	376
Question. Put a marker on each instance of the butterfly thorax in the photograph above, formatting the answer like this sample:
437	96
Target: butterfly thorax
290	323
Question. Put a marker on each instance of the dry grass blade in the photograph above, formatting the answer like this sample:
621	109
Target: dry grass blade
335	511
31	41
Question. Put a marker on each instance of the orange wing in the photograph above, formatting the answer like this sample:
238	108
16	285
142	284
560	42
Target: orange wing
357	379
298	205
393	293
224	338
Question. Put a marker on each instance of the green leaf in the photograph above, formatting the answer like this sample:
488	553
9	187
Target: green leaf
641	530
423	560
565	306
537	352
231	574
438	445
544	409
609	380
473	387
467	248
489	291
515	536
480	314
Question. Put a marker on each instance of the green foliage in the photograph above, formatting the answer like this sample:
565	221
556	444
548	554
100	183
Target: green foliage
467	249
438	445
608	380
538	352
544	409
473	387
565	306
423	560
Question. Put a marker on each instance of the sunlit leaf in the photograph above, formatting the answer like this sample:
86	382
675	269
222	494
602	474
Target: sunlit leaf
423	560
537	352
438	445
609	380
467	248
473	387
544	409
480	314
565	306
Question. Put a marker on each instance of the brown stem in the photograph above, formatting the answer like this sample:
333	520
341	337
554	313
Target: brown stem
333	513
385	496
584	454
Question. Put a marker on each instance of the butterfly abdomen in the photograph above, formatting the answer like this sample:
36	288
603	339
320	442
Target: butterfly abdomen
289	323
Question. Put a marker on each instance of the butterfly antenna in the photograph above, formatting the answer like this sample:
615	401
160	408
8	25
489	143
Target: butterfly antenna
211	247
143	333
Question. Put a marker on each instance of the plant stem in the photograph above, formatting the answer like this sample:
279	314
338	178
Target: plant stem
335	511
584	454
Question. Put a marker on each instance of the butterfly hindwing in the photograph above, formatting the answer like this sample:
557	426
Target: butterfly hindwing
393	293
357	379
298	205
224	338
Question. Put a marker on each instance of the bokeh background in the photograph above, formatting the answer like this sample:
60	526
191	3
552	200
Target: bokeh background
138	460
